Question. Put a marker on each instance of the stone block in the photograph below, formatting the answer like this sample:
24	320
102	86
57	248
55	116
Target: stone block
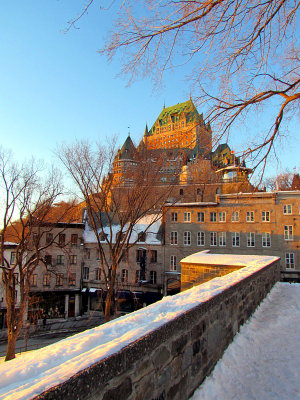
122	391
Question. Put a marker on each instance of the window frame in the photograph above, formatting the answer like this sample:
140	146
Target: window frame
212	216
174	216
265	216
235	239
200	238
249	216
250	239
174	238
266	239
222	239
287	209
200	216
288	232
173	262
290	261
222	216
187	238
187	216
213	239
235	216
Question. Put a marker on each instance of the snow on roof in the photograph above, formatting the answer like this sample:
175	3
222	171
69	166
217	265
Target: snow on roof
37	371
197	203
228	259
10	244
262	362
150	223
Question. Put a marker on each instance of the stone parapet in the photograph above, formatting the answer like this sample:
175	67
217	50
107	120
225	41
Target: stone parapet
171	361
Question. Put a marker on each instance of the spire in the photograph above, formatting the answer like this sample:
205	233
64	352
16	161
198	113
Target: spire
146	130
129	131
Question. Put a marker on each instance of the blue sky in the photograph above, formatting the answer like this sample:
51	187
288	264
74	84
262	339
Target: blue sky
56	87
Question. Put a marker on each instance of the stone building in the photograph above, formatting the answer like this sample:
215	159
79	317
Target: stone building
140	277
264	223
182	142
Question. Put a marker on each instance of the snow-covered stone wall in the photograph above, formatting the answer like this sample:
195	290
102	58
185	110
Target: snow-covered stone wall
168	358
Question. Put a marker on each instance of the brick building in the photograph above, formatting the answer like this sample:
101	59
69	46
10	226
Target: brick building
264	223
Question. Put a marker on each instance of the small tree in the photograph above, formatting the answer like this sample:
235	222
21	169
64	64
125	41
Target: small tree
110	206
26	204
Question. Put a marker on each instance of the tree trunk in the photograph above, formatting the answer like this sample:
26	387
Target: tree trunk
11	346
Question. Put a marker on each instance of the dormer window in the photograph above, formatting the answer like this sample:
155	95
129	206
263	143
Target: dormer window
142	237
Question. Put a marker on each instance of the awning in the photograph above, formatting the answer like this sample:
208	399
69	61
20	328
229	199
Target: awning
84	290
92	290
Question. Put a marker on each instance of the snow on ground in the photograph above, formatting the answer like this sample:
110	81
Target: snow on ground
263	362
33	373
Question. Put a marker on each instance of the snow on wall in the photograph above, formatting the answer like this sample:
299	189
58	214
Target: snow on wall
35	372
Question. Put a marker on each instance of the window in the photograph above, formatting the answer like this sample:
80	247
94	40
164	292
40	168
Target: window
200	216
16	278
72	279
153	277
73	259
137	275
266	239
98	255
174	216
222	216
174	238
235	237
49	238
141	237
173	263
288	232
250	239
121	235
153	256
59	279
46	279
187	217
33	280
199	192
60	259
213	217
181	192
287	209
200	238
213	238
222	239
140	255
265	216
61	239
88	253
289	261
124	276
48	259
186	238
235	216
250	216
97	274
12	257
103	237
85	273
74	239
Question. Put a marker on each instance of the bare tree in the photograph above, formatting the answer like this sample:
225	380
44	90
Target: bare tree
26	203
282	181
110	206
244	54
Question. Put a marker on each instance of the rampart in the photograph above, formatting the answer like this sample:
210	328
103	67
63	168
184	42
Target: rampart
171	361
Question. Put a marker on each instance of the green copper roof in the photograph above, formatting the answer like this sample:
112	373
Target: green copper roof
188	108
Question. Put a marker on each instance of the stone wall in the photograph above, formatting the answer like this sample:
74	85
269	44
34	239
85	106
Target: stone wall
171	361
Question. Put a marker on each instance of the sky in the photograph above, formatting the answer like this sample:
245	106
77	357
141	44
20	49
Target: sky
56	87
